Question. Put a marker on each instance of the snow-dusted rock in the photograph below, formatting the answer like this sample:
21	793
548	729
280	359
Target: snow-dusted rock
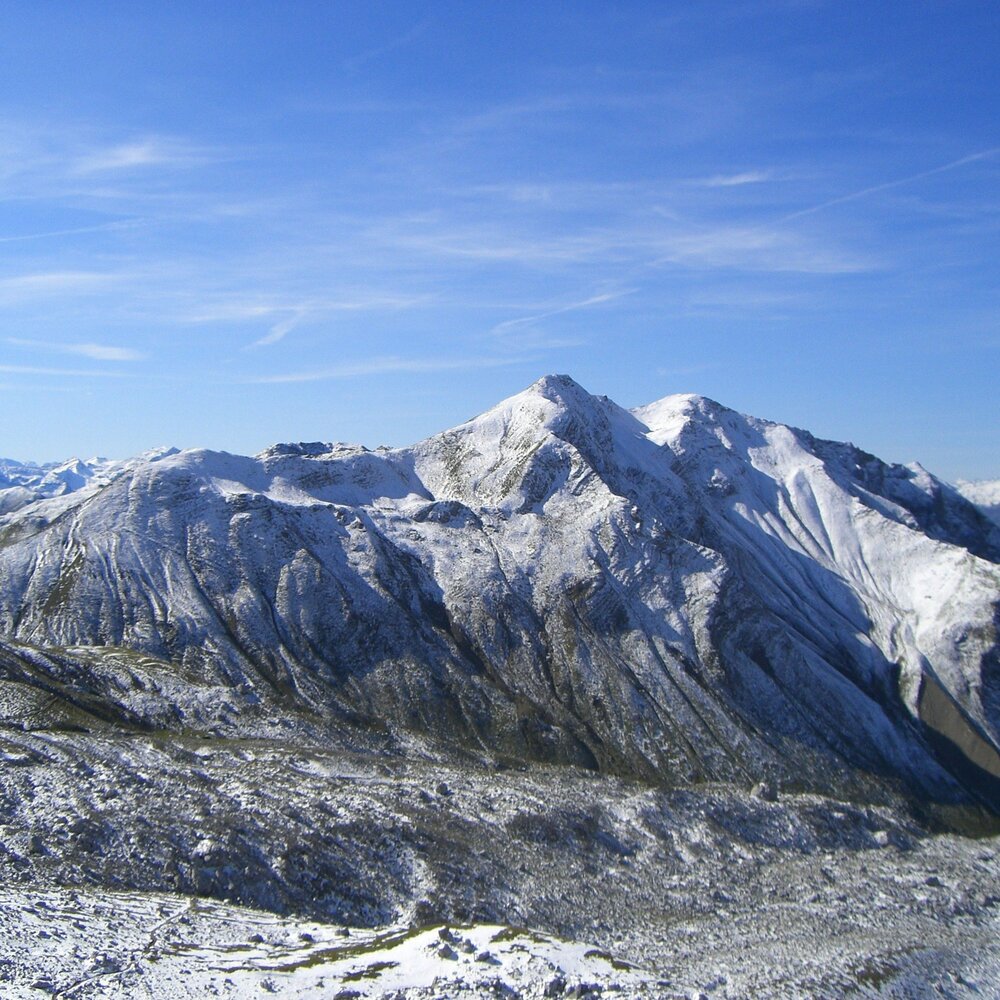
172	947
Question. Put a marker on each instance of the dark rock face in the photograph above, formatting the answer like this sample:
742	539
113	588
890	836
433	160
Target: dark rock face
678	593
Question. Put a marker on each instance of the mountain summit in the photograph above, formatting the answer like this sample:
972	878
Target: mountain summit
677	592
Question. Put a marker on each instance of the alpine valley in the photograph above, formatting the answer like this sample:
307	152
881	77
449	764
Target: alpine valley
708	704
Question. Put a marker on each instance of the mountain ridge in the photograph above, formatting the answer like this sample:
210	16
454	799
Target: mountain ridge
676	592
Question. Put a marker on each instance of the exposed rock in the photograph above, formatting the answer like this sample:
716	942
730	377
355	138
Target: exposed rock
767	791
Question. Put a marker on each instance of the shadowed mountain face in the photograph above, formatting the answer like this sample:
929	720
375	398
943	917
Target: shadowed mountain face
677	592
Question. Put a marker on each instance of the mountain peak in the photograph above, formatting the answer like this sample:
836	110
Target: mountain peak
564	392
666	418
555	384
547	403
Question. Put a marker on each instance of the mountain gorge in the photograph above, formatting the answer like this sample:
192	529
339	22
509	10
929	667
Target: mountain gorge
676	593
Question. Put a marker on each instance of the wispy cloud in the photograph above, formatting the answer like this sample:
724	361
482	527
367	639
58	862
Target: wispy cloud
382	366
759	249
35	387
280	330
728	300
96	352
355	62
148	152
560	194
622	245
62	372
236	311
78	230
499	242
27	286
594	300
285	316
734	180
500	117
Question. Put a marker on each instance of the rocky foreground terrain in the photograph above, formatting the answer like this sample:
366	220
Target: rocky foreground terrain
662	702
705	891
708	890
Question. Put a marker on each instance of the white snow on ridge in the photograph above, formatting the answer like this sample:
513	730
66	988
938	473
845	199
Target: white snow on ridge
666	418
911	587
985	494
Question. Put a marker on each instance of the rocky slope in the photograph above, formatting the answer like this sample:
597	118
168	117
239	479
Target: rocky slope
678	593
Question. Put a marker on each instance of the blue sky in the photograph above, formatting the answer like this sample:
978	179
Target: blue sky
230	224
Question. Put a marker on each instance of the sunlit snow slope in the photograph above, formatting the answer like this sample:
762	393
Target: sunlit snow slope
677	592
985	495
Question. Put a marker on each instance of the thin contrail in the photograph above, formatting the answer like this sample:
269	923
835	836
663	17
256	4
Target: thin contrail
69	232
854	195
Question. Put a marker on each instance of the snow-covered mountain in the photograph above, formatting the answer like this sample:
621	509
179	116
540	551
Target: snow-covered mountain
22	483
677	592
52	478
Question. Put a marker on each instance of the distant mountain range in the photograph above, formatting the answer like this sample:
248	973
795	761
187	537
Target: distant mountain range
678	593
22	483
